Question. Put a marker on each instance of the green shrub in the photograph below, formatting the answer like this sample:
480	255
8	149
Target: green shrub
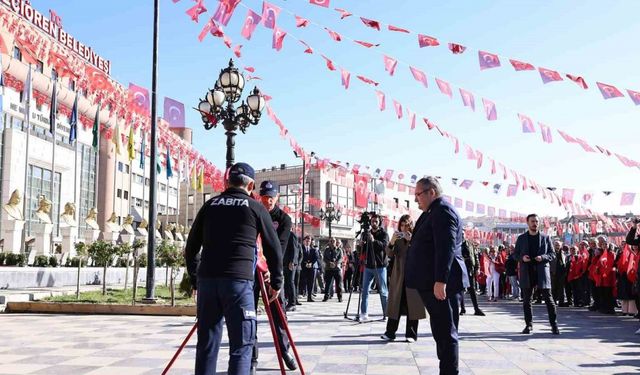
73	262
41	261
122	262
142	260
12	259
53	261
2	256
185	285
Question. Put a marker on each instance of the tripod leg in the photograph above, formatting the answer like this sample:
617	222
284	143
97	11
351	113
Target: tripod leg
175	356
291	343
267	308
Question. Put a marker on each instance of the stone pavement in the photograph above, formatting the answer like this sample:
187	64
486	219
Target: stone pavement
328	343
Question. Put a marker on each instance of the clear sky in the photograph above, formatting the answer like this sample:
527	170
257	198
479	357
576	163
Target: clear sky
594	39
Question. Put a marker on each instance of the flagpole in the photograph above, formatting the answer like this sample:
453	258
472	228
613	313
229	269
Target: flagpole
75	155
96	149
116	129
178	191
54	126
186	210
25	198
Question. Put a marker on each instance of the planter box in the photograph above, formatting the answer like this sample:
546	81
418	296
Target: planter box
90	308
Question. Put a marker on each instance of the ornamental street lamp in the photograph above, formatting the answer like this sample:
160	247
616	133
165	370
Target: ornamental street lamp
228	88
330	214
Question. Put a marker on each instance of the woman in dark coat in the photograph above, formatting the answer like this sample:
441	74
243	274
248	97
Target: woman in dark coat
402	300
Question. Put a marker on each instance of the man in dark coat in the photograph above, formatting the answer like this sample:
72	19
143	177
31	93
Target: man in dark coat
436	269
535	252
471	262
332	269
290	264
309	263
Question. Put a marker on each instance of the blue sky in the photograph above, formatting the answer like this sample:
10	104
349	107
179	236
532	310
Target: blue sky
589	38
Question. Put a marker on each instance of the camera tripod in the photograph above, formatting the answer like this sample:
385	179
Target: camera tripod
366	253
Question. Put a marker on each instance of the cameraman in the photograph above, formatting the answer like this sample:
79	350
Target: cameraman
373	244
332	269
226	228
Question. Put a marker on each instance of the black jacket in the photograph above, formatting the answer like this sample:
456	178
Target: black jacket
310	258
332	255
435	253
226	229
375	251
511	265
292	253
282	225
470	257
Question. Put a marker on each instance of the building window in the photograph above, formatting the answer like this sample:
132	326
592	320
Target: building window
17	54
146	182
137	202
126	195
120	166
39	67
71	85
207	196
161	208
190	199
39	184
126	168
119	193
54	74
342	197
163	187
290	197
146	204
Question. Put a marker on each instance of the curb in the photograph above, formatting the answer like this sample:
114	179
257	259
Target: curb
104	309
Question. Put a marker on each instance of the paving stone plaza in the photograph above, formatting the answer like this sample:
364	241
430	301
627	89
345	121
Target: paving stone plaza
328	343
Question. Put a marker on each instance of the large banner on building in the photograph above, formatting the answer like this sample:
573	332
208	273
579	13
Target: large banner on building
360	184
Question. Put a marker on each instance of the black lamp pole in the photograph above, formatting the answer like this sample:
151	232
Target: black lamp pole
151	243
228	88
330	214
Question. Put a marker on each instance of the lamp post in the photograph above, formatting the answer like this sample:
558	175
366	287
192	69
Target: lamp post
304	178
228	88
330	214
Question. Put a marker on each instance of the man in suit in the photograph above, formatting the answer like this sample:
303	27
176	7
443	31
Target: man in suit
535	252
332	269
290	260
471	262
309	265
435	268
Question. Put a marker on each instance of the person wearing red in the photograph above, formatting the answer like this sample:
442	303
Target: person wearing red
633	239
624	287
595	279
607	277
573	277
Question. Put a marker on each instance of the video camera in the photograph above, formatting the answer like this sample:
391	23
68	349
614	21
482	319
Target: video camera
365	222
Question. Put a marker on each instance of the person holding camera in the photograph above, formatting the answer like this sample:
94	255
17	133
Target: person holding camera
224	232
535	251
402	300
332	269
373	244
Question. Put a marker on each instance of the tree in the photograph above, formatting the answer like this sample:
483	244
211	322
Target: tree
124	249
135	248
81	254
171	256
103	253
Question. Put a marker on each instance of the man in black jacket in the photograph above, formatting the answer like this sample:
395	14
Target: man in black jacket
282	224
332	269
291	260
471	262
436	269
373	245
226	229
309	265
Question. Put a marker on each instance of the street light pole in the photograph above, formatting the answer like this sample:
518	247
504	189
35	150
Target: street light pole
330	214
151	242
228	88
304	185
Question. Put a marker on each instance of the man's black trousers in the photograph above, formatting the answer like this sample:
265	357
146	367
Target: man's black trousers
548	300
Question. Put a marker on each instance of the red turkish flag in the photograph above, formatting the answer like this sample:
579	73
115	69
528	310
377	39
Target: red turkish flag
227	41
388	174
361	183
390	64
567	195
419	76
546	133
490	109
97	79
456	49
493	166
512	190
251	21
548	75
301	22
578	80
138	98
567	137
488	60
371	23
457	202
366	44
468	99
346	76
270	14
334	35
343	13
398	108
322	3
225	11
236	50
60	64
430	125
250	69
585	146
427	41
367	80
381	101
398	29
471	155
278	38
635	96
195	11
520	65
527	124
444	87
627	199
330	65
309	49
412	119
609	91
